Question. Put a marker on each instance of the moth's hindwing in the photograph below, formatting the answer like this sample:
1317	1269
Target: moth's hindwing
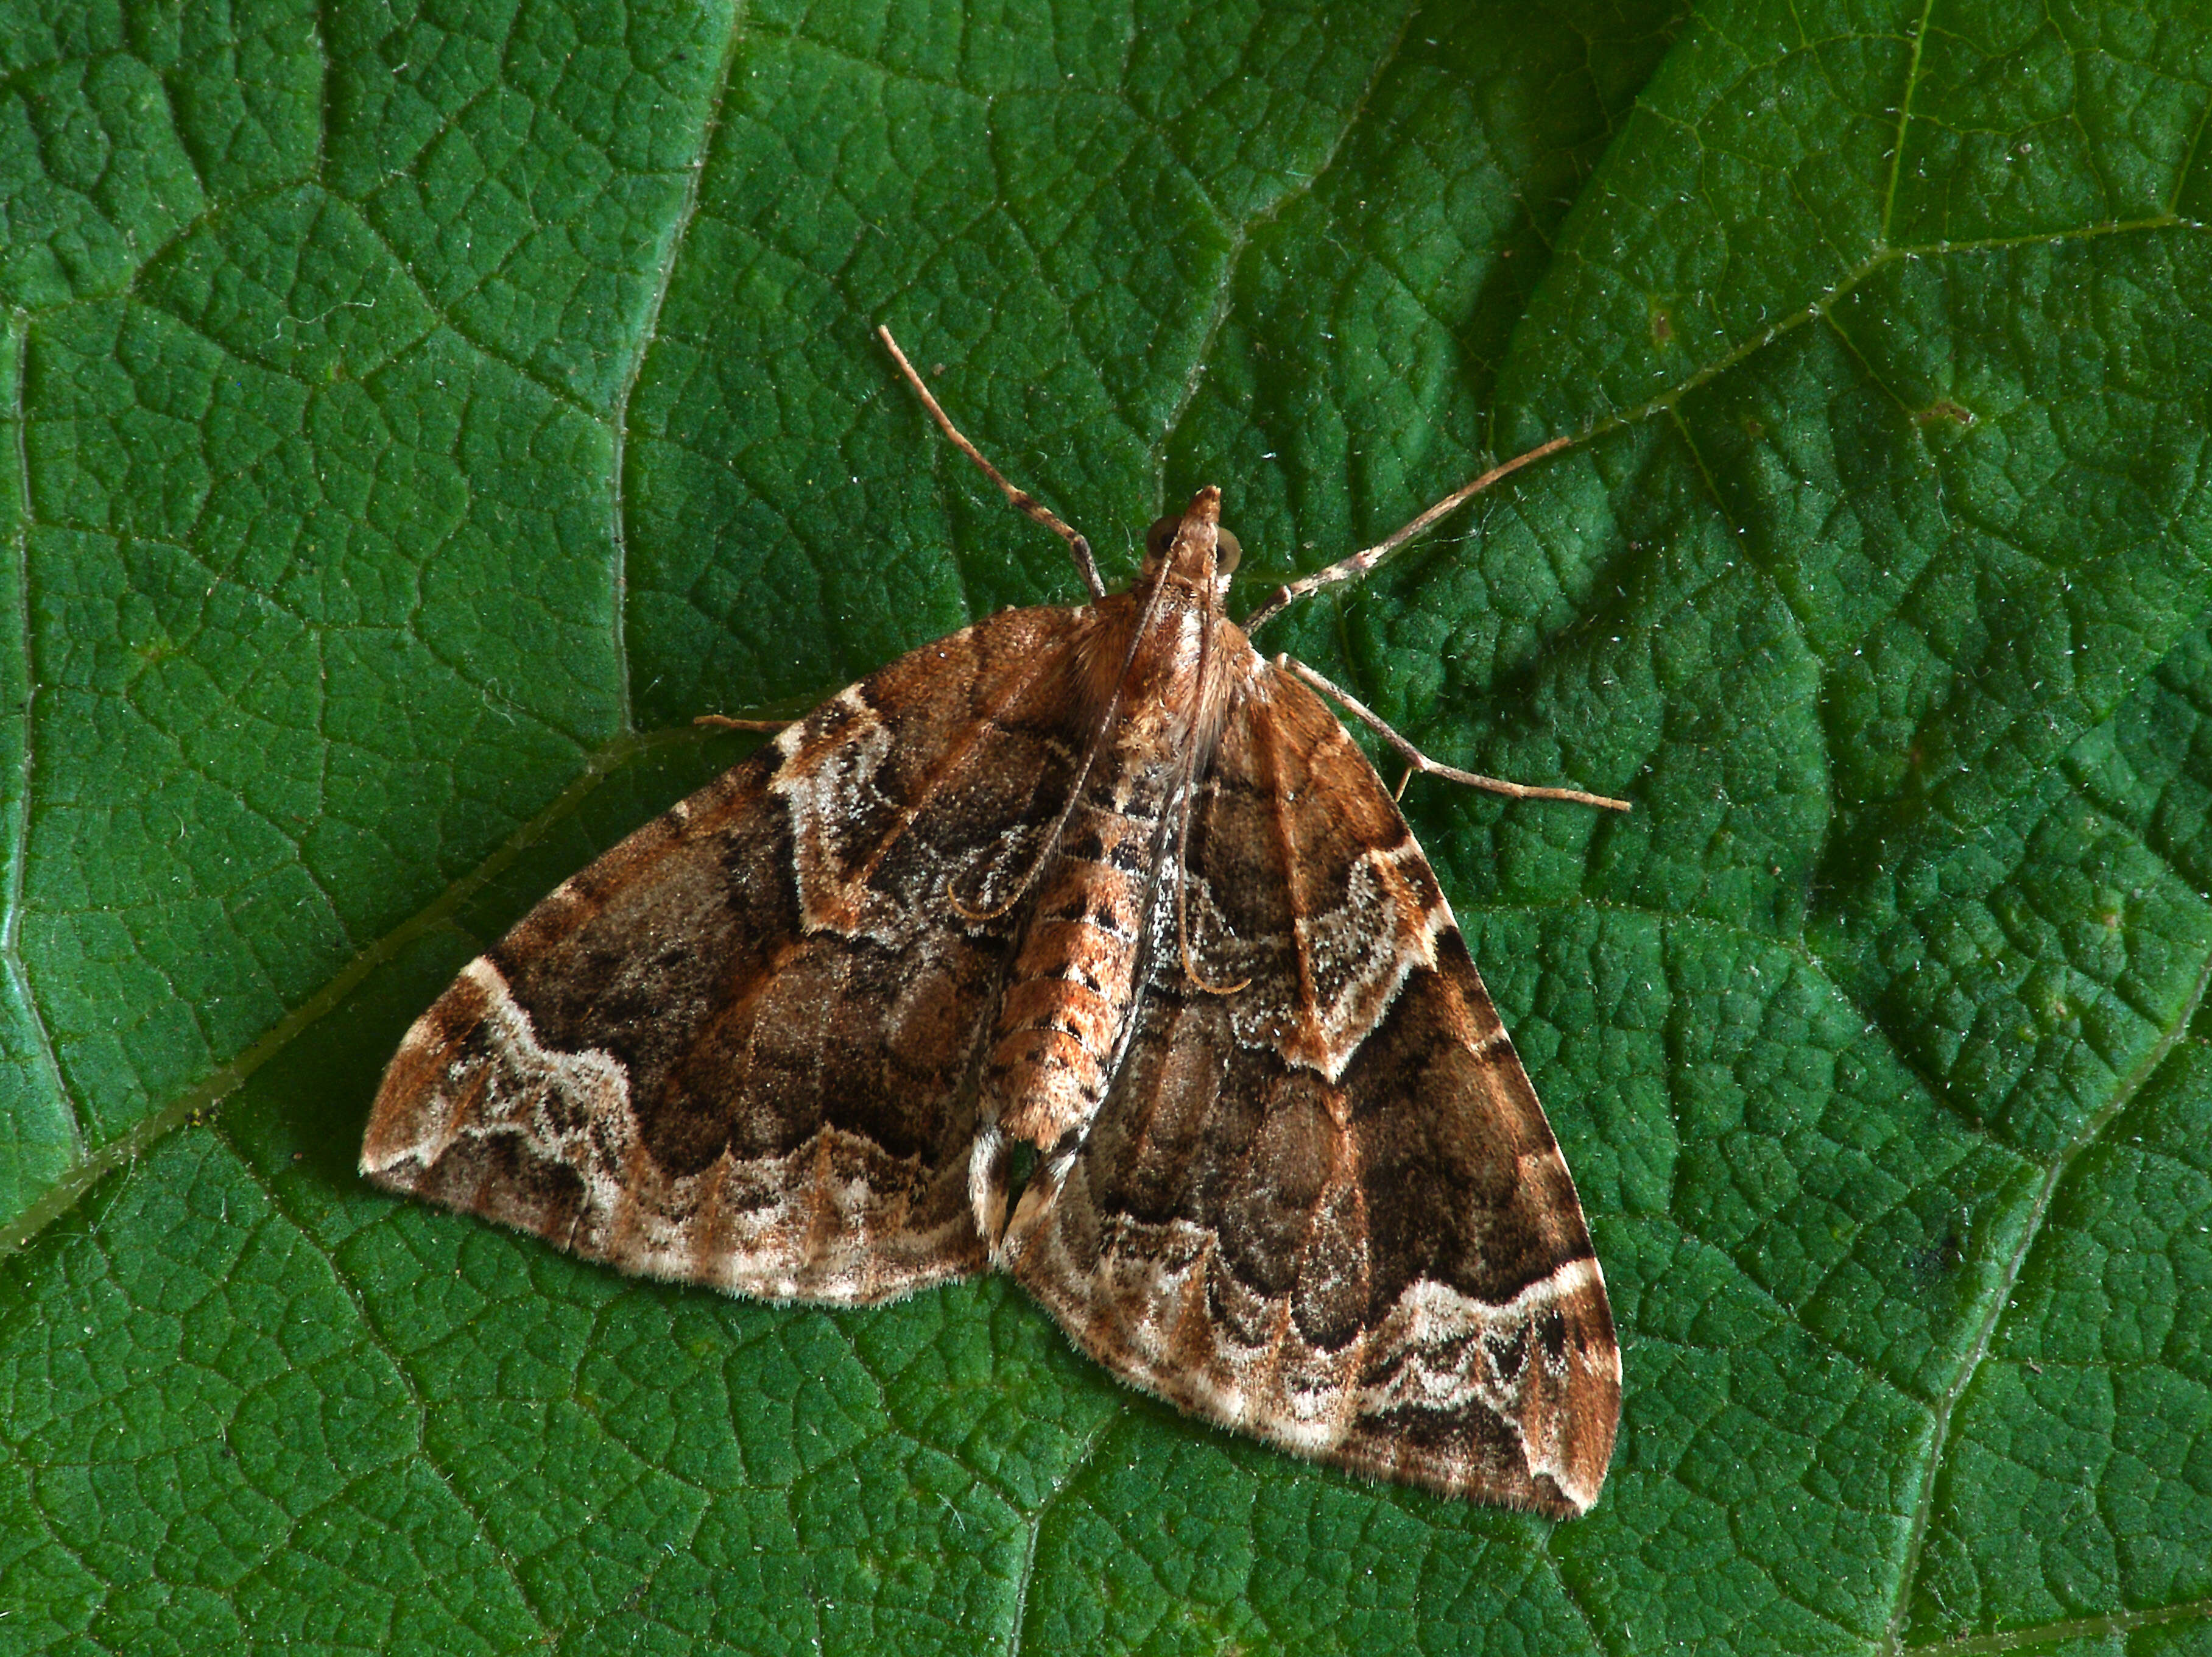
1327	1209
739	1049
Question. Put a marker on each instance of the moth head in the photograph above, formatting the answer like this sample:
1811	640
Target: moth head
1193	546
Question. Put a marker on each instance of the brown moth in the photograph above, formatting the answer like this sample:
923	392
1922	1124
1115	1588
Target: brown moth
1098	890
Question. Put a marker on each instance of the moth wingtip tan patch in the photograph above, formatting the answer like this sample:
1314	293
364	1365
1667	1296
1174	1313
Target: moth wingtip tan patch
411	1118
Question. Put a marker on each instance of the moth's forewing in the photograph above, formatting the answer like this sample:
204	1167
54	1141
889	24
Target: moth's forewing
738	1049
1327	1209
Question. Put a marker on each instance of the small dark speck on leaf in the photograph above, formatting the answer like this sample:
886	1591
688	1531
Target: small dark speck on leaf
1940	1258
1944	408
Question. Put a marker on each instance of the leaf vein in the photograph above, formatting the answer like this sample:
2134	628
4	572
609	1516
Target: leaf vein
372	1331
2001	1293
19	825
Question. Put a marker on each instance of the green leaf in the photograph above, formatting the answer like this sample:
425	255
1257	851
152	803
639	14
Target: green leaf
415	416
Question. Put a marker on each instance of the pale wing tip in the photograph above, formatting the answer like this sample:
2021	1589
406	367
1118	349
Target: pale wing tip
1586	1455
412	1118
1588	1419
387	1161
391	1145
393	1137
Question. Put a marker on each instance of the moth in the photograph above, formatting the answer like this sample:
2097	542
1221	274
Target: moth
1083	945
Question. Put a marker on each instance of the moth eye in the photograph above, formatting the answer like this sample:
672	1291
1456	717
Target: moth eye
1161	536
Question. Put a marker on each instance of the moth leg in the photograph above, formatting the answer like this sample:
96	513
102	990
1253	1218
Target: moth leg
1360	563
987	1185
1021	500
1421	762
723	723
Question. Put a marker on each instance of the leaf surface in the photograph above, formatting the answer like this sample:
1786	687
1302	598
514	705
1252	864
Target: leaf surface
417	417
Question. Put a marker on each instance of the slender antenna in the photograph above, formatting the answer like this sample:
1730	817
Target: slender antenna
1360	563
1020	499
